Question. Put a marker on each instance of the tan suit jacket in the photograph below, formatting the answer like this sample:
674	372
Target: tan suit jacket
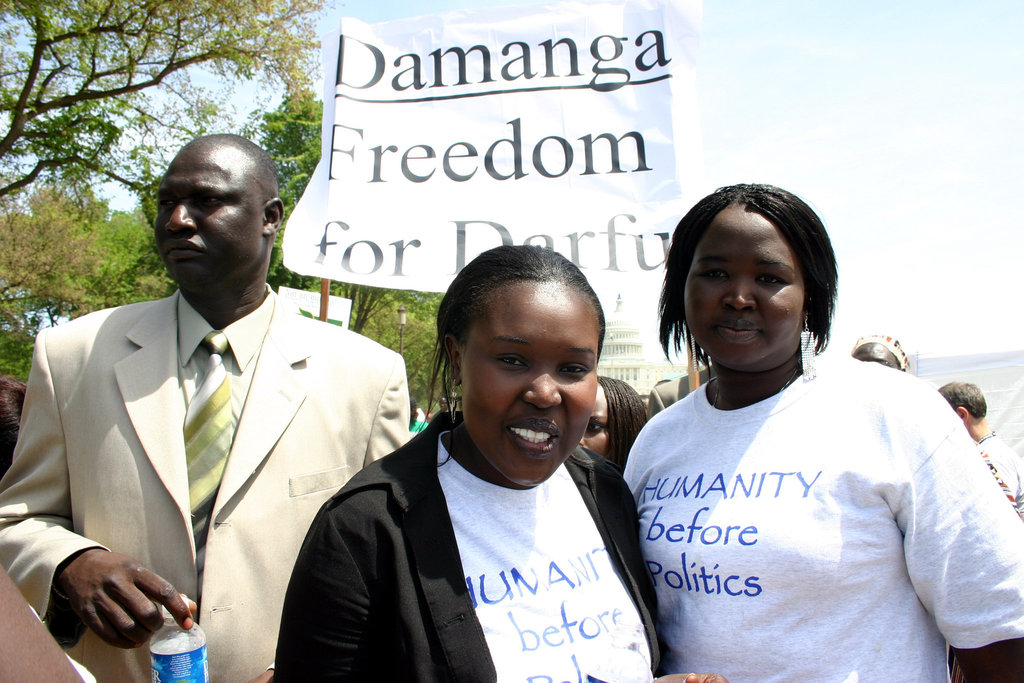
101	461
666	393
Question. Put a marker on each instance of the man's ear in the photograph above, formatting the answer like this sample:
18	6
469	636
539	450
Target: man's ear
273	214
963	414
451	347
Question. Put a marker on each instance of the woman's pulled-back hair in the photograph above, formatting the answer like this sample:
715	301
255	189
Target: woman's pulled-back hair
487	276
800	227
627	415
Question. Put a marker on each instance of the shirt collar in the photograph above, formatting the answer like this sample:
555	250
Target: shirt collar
245	336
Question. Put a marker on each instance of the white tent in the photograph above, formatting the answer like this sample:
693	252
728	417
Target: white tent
1000	376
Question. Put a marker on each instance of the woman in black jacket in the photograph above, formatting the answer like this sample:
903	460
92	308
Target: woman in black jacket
490	547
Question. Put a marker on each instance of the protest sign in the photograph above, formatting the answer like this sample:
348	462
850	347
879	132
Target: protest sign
571	126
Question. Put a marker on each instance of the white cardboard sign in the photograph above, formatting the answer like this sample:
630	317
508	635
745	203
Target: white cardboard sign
571	126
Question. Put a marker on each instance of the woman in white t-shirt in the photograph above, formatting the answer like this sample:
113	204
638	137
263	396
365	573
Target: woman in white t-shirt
823	524
490	547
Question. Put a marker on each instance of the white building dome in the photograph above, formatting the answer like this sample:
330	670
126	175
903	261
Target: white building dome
622	356
621	336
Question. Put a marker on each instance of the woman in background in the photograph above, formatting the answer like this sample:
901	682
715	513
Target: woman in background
882	349
619	415
817	525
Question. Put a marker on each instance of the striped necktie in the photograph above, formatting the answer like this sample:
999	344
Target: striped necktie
209	430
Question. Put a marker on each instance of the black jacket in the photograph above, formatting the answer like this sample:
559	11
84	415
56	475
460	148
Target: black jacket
378	592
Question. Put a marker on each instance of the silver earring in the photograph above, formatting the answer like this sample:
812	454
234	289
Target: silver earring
807	344
691	362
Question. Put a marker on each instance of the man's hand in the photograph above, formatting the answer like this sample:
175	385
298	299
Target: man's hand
115	596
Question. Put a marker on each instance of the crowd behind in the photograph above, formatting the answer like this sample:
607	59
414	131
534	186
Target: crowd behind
763	517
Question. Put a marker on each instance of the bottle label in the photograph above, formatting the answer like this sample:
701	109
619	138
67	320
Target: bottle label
184	667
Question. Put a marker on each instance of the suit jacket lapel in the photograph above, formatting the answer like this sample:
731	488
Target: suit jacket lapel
149	384
274	397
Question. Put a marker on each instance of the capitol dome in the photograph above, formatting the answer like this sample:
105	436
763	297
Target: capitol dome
622	355
621	336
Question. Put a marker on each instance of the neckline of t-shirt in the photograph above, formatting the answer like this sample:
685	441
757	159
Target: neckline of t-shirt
755	412
488	489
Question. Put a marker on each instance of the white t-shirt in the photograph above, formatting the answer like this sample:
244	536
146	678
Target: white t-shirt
836	531
551	604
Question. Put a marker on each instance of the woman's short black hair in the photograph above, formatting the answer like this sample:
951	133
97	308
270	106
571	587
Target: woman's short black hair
801	228
489	274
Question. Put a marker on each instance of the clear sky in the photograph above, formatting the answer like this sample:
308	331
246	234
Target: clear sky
899	122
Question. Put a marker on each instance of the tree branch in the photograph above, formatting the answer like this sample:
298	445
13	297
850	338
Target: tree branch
18	117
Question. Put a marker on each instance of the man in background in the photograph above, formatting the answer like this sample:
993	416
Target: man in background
969	403
667	392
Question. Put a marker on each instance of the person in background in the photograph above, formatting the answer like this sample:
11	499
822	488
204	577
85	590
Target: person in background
667	392
969	403
618	416
417	419
184	445
878	348
27	651
12	398
491	546
807	523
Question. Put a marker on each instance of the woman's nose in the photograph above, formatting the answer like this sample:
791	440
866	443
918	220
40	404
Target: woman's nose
740	295
543	392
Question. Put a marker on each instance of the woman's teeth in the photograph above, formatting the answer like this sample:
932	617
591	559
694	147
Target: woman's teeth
530	435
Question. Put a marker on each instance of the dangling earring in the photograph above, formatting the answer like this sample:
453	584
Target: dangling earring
807	343
455	399
691	364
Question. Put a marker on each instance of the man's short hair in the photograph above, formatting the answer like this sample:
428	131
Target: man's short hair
964	395
265	166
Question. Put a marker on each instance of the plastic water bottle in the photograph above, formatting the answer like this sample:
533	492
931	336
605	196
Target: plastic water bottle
178	656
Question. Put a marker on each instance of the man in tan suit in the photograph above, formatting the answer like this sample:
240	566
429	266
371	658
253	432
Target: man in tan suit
95	514
667	392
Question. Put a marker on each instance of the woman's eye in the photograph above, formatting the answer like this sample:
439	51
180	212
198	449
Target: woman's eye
595	428
509	360
772	280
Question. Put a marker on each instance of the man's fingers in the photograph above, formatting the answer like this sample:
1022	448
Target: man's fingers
114	596
112	624
127	606
160	591
182	611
